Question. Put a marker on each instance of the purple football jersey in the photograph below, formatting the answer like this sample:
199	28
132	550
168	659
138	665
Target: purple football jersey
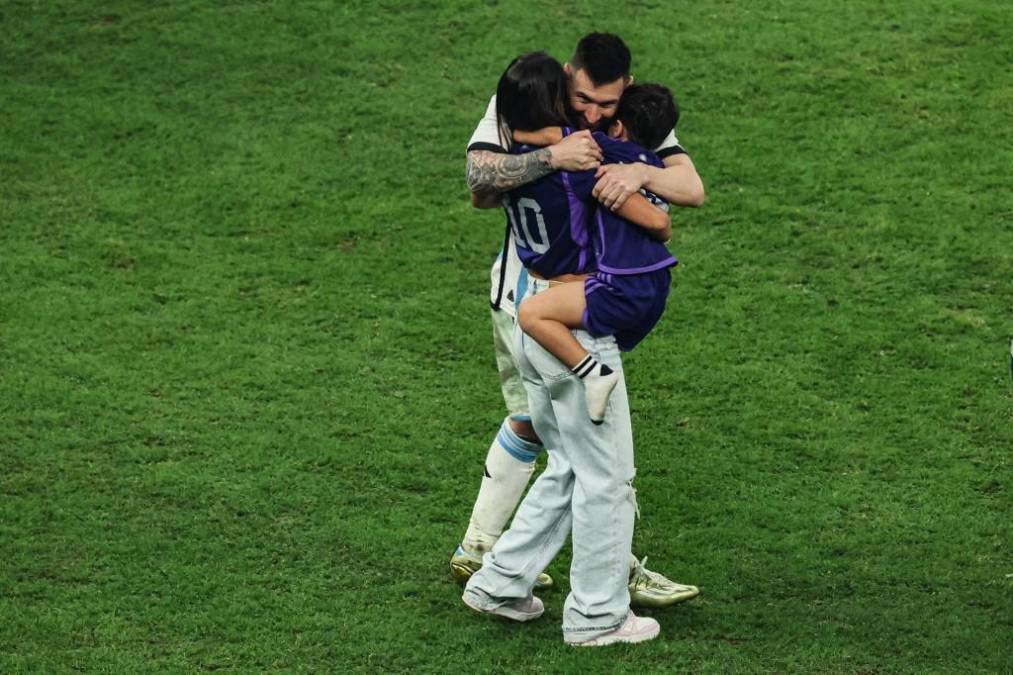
620	246
550	218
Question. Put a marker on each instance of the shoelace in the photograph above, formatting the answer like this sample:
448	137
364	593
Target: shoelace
640	572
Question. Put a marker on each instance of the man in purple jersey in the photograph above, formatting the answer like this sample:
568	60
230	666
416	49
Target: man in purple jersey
598	73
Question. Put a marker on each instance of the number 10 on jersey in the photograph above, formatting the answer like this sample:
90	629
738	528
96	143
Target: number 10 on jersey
528	214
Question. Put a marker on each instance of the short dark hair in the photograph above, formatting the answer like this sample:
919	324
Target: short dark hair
532	93
649	112
603	56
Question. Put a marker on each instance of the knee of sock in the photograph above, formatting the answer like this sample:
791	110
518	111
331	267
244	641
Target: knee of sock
521	426
520	449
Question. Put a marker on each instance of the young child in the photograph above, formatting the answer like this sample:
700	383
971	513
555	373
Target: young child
626	296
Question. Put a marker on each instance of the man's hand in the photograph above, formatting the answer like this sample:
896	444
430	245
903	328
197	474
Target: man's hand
616	182
576	152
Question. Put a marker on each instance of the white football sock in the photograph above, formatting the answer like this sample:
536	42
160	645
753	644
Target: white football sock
508	468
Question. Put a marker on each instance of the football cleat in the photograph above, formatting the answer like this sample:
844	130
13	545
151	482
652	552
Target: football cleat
634	629
650	589
524	609
463	565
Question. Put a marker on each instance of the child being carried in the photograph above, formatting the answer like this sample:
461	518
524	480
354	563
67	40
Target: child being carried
626	296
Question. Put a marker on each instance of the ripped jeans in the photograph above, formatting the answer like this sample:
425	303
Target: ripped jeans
586	490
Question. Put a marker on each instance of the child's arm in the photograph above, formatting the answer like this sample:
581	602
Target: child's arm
639	211
541	137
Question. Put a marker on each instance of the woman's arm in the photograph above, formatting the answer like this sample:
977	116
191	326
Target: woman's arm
542	137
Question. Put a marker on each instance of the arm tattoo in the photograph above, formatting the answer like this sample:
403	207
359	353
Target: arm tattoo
498	172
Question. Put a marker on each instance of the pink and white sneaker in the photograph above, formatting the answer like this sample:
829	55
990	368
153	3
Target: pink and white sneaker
634	629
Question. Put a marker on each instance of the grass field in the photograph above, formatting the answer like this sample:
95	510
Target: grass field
246	372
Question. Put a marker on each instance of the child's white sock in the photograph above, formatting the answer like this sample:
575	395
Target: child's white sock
599	381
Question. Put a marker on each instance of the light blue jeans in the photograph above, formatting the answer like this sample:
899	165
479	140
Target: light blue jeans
586	490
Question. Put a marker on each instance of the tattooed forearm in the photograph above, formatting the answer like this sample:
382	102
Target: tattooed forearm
498	172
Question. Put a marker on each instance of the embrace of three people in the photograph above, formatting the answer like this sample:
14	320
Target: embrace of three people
584	163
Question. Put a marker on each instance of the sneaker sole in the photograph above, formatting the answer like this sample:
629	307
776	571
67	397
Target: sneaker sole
606	640
505	612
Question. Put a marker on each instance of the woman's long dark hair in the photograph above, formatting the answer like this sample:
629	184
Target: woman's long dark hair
532	94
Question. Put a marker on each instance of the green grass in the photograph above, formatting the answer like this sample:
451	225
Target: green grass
246	376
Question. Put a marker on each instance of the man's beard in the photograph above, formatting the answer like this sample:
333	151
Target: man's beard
577	120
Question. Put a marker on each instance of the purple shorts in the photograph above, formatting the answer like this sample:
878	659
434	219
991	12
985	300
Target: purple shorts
626	306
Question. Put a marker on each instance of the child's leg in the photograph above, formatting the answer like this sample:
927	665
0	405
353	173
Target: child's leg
548	317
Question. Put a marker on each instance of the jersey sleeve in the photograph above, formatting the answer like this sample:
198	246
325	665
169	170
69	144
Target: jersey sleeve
487	134
670	146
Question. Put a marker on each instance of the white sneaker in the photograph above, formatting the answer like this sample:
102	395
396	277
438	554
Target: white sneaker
524	609
597	389
634	629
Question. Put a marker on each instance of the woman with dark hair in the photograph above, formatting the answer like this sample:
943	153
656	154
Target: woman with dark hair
531	96
548	217
586	488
